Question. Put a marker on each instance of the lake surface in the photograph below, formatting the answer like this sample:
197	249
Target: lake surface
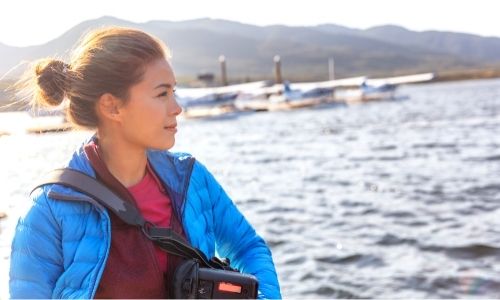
391	199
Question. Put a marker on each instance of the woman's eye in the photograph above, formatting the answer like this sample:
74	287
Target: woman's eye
162	94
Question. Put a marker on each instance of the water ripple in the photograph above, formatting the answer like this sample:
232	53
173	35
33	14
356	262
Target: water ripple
393	199
466	252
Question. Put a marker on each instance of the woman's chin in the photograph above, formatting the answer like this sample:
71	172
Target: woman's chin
165	145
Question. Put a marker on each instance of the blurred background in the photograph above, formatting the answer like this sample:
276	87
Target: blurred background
360	138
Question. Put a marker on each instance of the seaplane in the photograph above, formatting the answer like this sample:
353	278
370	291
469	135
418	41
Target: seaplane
288	95
212	101
381	88
266	96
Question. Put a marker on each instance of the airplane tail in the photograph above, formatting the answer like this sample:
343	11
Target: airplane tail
286	87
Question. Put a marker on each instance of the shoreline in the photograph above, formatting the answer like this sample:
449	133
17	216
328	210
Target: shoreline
466	75
444	76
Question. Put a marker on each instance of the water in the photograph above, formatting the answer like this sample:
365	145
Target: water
387	199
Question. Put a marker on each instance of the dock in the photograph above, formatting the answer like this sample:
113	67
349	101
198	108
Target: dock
203	112
23	123
49	128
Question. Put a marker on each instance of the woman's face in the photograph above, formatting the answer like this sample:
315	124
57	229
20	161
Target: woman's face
149	115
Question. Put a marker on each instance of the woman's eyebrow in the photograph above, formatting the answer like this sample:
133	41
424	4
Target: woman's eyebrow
165	85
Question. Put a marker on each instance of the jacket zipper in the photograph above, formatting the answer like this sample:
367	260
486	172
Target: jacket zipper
186	186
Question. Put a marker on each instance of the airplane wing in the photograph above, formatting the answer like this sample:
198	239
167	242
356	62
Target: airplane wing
346	82
400	79
194	93
308	86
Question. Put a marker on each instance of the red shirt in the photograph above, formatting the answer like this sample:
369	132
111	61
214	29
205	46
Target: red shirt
132	269
155	207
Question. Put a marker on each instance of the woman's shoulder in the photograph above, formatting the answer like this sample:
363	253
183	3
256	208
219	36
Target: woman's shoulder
56	201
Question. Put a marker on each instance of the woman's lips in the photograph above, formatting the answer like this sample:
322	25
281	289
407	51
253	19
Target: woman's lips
171	128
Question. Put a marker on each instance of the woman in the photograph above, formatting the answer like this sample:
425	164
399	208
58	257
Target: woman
120	83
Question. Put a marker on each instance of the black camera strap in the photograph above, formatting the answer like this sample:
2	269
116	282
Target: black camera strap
165	238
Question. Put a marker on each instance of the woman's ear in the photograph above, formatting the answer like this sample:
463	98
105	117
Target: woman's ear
108	107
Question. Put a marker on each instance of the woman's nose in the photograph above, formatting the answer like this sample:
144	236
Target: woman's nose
176	109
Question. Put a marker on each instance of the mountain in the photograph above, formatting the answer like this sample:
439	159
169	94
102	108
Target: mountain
460	44
249	50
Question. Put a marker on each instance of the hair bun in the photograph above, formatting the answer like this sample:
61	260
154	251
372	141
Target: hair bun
52	78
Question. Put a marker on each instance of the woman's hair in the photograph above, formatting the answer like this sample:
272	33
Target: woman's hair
108	60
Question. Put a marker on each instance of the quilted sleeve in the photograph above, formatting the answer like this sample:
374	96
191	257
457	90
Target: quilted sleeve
36	257
237	240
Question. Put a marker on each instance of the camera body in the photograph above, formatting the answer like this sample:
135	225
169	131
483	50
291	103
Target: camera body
194	282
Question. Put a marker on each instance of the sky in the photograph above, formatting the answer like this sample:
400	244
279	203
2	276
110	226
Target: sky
33	22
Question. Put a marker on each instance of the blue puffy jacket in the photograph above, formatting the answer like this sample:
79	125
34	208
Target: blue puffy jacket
60	247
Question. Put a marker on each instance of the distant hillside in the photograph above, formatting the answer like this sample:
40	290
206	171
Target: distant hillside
467	46
197	44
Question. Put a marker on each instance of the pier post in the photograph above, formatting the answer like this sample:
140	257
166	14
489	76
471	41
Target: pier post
331	69
277	69
223	72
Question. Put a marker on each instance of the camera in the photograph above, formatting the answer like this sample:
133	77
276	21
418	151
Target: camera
194	282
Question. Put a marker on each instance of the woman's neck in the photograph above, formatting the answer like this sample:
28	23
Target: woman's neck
126	162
